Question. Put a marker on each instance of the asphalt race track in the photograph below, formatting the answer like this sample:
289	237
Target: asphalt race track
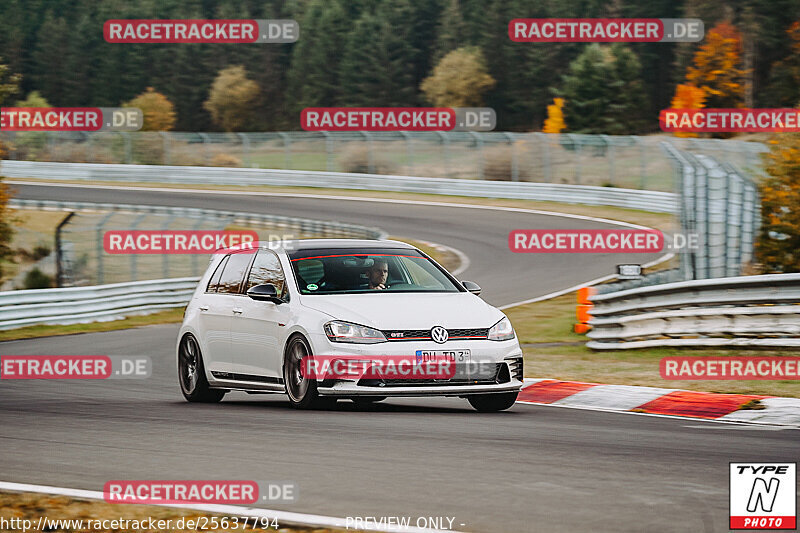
482	235
529	469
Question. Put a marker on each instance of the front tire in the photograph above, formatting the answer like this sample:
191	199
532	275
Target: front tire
192	374
301	391
492	403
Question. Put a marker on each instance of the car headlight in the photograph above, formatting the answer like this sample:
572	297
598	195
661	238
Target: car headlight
502	331
338	331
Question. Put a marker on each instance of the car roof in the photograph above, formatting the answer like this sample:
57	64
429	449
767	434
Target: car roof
314	244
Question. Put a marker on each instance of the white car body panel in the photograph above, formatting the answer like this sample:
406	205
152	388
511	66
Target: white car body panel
243	350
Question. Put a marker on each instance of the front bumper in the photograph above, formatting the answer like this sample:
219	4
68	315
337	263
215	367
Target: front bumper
506	355
349	388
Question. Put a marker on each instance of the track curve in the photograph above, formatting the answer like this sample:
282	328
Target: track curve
481	232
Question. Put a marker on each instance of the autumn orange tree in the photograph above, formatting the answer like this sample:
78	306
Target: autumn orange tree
716	67
554	122
778	247
158	111
687	97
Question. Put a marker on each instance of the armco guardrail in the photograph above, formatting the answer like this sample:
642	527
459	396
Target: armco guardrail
738	311
656	201
89	304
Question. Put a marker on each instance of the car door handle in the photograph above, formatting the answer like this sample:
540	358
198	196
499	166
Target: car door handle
203	308
237	311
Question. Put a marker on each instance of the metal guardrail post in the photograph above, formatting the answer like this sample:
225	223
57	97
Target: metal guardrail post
128	146
479	146
59	254
544	142
287	150
206	147
514	157
446	152
245	148
195	227
89	146
136	222
642	163
409	152
577	148
610	156
328	151
99	246
165	141
370	152
165	257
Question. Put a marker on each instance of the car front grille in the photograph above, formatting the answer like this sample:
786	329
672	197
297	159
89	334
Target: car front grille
464	334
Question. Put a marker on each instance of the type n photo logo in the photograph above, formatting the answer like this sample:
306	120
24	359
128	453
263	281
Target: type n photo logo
763	496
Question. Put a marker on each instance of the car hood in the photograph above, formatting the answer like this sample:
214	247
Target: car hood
407	311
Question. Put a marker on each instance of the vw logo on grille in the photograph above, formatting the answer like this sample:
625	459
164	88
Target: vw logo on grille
439	334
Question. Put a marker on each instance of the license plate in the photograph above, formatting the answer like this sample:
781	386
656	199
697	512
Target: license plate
456	356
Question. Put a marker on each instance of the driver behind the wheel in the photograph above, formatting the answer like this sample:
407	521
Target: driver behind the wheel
377	274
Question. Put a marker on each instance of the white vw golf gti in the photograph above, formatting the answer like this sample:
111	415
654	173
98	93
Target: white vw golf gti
259	313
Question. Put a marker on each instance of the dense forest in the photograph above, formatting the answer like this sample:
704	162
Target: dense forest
379	53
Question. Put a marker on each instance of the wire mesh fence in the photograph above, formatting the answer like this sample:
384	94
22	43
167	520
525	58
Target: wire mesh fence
605	160
82	259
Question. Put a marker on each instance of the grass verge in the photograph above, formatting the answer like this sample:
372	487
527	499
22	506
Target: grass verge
552	350
32	506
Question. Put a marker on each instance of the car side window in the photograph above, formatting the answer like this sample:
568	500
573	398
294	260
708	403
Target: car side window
233	273
267	269
213	283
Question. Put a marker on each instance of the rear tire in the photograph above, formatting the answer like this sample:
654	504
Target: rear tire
492	403
301	391
192	374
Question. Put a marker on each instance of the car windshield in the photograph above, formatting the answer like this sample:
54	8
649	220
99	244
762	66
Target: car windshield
367	270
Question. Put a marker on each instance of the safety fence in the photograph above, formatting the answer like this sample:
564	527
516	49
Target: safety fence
82	260
733	311
718	203
633	162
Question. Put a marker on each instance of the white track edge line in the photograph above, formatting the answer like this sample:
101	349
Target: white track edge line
287	517
665	257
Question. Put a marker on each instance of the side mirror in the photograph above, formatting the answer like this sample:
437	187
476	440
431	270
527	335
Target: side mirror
472	287
266	292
